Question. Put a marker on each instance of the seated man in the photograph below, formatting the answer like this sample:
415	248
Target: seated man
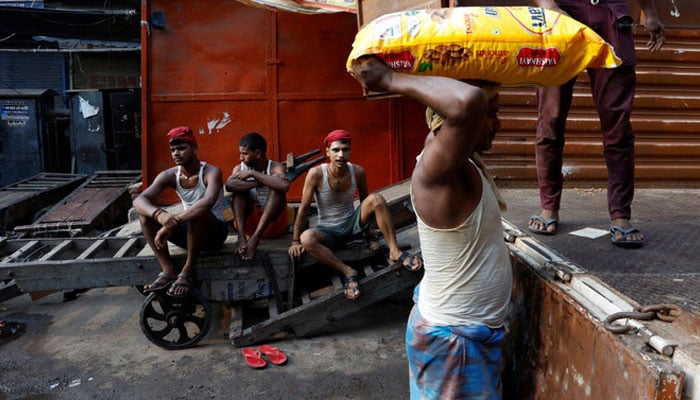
333	185
200	225
259	188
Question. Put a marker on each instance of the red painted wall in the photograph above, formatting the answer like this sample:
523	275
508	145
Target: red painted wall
278	73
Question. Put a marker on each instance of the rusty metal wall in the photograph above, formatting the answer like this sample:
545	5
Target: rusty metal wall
556	350
228	69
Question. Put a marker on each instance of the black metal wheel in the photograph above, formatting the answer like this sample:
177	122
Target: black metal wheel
175	323
140	289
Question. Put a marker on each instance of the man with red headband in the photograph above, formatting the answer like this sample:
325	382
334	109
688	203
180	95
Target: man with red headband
333	186
199	226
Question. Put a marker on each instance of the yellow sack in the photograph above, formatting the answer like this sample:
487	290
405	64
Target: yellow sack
508	45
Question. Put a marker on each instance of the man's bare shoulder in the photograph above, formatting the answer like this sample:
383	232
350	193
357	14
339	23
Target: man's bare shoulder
211	167
358	168
315	174
168	174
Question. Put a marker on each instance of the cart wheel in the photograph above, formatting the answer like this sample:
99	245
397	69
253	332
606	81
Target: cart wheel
140	289
175	323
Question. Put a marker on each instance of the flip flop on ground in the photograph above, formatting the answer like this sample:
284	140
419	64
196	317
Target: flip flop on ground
624	241
351	284
253	358
162	281
273	354
546	223
179	288
412	262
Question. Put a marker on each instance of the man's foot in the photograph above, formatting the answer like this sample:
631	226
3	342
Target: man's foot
623	234
247	251
351	287
544	224
162	280
182	286
412	262
242	245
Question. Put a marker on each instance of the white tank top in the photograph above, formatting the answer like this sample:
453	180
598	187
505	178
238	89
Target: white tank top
189	196
468	276
334	208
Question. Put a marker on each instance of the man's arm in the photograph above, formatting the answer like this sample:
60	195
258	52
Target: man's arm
361	180
313	177
144	203
462	106
653	25
212	179
277	180
235	183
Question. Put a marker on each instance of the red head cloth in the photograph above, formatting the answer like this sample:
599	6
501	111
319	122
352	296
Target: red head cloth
183	133
338	134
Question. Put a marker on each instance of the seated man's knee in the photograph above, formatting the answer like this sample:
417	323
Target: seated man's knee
147	221
309	238
376	200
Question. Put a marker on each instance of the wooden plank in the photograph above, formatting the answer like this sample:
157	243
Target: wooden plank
315	314
57	250
87	206
127	247
272	309
321	292
232	321
305	297
22	252
94	248
90	273
18	204
337	284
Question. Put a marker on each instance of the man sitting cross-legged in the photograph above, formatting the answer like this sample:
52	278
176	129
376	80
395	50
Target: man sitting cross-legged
259	188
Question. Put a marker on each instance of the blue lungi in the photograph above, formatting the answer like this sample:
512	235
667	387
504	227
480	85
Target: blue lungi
453	362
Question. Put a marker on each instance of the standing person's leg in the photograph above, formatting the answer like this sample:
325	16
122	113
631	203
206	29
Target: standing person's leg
553	109
613	92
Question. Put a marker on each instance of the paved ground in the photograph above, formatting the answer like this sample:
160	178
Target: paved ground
92	347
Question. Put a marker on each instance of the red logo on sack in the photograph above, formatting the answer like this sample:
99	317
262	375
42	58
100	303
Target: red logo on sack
402	60
528	57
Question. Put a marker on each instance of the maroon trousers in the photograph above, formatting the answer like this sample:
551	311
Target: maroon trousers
613	93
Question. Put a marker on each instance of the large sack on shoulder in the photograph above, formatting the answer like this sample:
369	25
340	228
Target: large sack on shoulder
508	45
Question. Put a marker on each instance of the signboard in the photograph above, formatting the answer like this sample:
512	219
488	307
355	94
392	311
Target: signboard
15	113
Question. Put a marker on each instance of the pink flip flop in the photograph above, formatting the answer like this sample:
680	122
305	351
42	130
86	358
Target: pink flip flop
273	354
253	358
